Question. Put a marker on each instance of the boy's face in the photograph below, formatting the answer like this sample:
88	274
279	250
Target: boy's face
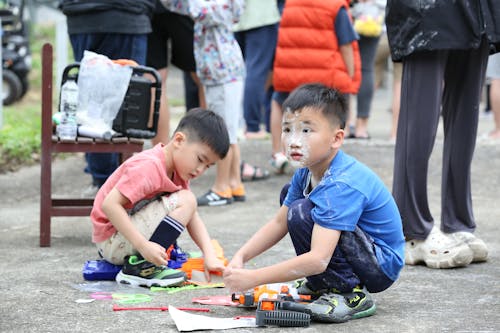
309	139
191	159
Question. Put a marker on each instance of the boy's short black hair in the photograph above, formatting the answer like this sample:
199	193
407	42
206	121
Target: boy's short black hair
205	126
331	102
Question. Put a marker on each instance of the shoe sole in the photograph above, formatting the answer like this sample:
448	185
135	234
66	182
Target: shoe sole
141	282
239	198
220	203
460	257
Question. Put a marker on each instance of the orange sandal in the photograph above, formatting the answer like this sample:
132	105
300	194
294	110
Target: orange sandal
239	193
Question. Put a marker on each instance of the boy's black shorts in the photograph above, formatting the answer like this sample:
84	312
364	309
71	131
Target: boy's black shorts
179	30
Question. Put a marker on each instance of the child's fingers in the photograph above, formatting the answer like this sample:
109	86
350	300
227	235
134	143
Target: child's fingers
207	275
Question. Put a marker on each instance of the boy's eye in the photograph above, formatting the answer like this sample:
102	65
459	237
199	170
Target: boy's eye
306	130
286	130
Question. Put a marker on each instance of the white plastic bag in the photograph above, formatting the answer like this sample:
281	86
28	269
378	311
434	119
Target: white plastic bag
102	85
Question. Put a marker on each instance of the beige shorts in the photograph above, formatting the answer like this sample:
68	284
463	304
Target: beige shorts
146	220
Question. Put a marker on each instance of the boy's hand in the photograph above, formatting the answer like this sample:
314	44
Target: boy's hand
236	262
238	280
154	253
212	264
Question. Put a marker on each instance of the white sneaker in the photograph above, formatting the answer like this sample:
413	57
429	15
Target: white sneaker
89	192
279	162
438	251
478	247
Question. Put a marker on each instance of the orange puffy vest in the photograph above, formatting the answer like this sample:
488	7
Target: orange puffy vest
308	49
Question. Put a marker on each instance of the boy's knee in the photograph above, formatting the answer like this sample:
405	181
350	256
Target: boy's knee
299	212
186	199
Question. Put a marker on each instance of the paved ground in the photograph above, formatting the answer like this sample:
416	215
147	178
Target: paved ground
40	286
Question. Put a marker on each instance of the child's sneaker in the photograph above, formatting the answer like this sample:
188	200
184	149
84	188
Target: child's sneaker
279	162
338	308
478	247
303	288
139	272
438	250
212	198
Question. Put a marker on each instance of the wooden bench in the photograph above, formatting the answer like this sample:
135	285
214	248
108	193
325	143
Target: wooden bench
50	206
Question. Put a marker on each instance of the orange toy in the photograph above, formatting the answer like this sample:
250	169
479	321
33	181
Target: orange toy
198	263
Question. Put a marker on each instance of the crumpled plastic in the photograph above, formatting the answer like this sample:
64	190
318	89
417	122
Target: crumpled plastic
102	86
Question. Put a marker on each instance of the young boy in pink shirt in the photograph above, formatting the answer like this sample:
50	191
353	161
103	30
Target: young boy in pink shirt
146	203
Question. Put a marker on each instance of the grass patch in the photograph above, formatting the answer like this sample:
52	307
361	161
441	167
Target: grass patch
20	138
20	134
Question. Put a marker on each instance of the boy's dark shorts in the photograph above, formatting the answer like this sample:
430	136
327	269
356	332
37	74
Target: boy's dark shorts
179	30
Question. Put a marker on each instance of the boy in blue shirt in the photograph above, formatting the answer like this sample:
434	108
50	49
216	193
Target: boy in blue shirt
343	222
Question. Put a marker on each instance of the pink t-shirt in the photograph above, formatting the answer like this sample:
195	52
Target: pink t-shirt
142	176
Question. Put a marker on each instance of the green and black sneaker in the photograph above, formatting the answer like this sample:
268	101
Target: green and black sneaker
343	307
303	288
139	272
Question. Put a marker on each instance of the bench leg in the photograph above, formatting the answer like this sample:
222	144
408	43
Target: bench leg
45	197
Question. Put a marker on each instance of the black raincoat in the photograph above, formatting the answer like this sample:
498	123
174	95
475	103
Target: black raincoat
426	25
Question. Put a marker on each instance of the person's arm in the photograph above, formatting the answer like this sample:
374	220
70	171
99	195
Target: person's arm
323	243
345	33
200	236
113	207
348	56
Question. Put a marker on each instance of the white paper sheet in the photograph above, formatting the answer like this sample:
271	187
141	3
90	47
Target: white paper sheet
186	322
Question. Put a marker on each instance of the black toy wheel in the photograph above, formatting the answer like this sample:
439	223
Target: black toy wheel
12	87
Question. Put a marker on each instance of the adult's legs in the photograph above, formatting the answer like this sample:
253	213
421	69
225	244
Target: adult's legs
417	126
278	160
163	132
368	49
382	56
396	98
114	46
461	96
224	100
495	107
276	116
258	50
178	29
493	93
190	91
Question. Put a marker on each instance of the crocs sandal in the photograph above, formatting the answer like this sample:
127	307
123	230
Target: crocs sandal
478	247
258	173
438	251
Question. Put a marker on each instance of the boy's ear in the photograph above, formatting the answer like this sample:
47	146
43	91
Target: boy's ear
179	138
338	138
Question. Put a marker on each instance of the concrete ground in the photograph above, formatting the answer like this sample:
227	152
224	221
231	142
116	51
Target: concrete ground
40	287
